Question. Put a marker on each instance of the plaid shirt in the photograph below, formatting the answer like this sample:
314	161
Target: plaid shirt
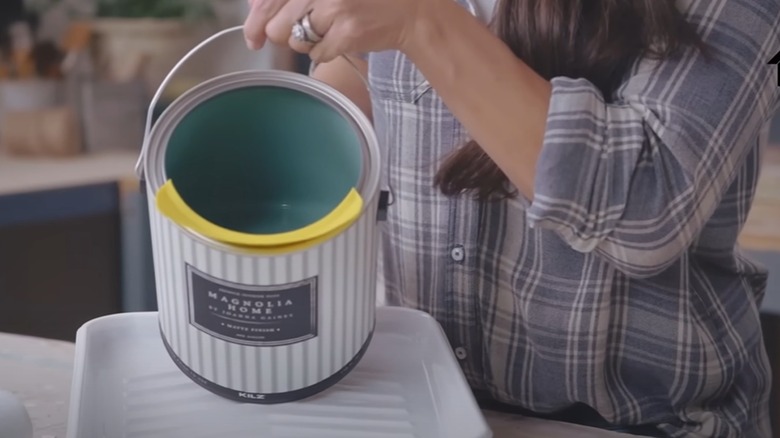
621	286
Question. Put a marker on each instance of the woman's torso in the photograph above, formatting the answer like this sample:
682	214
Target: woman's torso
539	325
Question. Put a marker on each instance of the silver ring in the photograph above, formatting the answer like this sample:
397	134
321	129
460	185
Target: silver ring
309	33
299	33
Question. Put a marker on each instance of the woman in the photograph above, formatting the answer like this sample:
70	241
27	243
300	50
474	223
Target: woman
571	177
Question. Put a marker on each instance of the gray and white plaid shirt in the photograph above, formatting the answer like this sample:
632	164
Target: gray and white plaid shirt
621	286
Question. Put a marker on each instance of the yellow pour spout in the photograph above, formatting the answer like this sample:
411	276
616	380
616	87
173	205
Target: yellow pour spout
170	204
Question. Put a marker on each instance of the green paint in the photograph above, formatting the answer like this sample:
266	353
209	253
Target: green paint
263	159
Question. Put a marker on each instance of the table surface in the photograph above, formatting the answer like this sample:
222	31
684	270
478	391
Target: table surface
39	372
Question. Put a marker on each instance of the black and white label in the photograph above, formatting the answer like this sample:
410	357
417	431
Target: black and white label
253	315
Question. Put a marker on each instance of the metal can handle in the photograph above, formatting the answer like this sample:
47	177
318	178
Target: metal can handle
161	89
169	77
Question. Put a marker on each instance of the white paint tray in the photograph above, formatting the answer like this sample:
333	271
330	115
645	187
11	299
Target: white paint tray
408	384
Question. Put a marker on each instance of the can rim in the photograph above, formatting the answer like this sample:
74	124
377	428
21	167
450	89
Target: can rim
159	136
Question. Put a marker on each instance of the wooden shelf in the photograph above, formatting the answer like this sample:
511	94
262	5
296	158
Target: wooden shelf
24	175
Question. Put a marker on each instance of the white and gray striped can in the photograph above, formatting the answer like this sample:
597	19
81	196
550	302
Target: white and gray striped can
258	327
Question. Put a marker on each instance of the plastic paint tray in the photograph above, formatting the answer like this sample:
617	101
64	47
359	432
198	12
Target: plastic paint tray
407	385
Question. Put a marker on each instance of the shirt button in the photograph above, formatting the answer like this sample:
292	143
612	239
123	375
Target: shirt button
458	253
460	353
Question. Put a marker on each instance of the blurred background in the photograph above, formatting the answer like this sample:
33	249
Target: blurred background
76	78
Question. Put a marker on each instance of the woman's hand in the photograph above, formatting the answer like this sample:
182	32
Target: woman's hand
346	26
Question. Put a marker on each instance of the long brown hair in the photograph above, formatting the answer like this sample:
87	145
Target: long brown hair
597	40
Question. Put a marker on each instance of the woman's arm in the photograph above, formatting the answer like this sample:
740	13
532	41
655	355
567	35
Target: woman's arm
497	97
343	77
635	180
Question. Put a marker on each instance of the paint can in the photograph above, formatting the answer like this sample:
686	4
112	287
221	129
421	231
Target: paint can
265	206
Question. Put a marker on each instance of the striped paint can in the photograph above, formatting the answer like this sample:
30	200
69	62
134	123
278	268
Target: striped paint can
264	205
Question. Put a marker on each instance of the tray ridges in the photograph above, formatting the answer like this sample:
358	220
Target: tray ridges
133	390
157	404
300	420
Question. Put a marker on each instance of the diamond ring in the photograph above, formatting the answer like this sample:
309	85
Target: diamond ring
303	31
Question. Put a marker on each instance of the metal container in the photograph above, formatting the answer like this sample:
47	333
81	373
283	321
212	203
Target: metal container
267	323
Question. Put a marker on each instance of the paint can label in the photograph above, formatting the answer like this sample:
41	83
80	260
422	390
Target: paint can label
252	314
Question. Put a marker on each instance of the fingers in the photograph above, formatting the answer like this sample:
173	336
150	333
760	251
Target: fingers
279	28
273	20
319	24
334	44
260	13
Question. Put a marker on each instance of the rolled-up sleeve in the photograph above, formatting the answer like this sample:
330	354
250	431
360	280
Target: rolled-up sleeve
637	178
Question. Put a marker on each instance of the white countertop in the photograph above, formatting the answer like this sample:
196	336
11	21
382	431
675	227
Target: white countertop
39	372
24	175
